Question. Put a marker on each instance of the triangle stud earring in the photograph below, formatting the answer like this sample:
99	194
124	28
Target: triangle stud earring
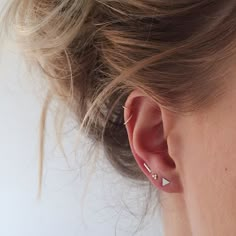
165	182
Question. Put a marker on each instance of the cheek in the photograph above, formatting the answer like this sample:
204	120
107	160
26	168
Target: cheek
208	164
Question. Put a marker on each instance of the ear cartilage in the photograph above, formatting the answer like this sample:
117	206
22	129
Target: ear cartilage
147	167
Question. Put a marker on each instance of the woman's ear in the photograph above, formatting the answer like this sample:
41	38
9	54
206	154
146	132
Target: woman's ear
148	125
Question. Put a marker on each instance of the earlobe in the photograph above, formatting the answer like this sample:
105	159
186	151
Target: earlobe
145	127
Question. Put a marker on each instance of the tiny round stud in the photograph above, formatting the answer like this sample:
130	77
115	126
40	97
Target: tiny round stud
155	176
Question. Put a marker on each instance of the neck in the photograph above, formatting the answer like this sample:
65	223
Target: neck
174	213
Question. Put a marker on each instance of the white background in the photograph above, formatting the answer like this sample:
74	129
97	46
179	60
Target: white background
61	210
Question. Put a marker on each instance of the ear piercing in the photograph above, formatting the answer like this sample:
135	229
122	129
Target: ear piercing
154	175
147	167
128	118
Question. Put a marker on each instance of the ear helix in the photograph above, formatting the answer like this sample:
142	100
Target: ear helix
154	175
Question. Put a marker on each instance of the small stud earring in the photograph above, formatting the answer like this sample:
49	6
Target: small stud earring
155	176
147	167
128	118
165	182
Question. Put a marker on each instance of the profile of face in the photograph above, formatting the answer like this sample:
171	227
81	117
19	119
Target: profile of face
196	153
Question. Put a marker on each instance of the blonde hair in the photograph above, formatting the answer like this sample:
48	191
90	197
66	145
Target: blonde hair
95	52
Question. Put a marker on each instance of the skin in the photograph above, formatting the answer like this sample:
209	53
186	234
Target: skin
198	158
